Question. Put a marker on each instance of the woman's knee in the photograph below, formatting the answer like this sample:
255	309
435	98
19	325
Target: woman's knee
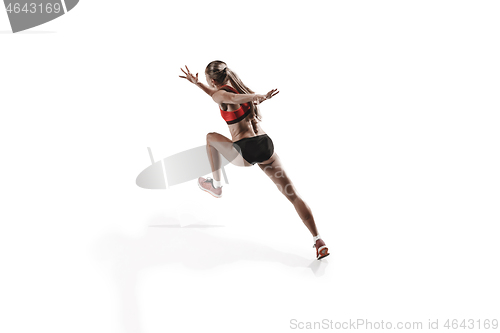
211	136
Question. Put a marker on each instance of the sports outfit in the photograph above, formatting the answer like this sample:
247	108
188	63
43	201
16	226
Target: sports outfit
255	149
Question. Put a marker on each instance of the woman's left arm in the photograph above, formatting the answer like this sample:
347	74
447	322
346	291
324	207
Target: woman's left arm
206	88
194	79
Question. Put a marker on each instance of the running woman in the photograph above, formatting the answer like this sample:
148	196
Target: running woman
250	144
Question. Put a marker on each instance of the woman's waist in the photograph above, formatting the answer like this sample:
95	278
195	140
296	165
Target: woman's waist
244	130
239	134
255	137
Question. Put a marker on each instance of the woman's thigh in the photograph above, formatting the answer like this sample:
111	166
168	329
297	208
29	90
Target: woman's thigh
274	170
225	147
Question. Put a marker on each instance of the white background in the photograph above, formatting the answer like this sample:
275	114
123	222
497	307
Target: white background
387	121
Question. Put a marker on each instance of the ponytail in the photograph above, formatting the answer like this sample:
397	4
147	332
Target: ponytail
243	89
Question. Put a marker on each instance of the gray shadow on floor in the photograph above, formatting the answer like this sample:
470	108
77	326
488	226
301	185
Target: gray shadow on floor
167	242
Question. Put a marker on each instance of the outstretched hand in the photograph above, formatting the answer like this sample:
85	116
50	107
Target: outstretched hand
261	98
272	93
190	77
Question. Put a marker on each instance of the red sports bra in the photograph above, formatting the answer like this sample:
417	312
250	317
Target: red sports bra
232	117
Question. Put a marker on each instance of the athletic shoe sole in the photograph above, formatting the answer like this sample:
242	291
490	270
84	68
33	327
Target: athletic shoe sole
323	253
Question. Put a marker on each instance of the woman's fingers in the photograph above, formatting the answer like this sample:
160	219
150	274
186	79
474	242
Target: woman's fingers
272	93
188	73
190	77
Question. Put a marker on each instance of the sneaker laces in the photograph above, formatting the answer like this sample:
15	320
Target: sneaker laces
210	180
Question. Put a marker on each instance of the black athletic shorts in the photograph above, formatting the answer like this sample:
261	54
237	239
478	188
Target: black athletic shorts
256	149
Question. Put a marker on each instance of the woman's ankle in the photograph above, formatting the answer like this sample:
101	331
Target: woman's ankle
217	183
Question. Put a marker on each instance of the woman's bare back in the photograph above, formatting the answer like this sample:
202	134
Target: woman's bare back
243	128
